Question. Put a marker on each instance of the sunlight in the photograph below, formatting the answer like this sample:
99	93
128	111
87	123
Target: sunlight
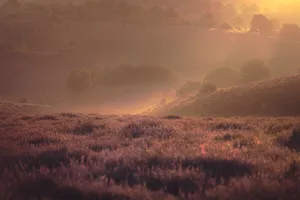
153	103
143	99
283	5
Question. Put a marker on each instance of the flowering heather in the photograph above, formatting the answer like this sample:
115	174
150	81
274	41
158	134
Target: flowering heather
95	157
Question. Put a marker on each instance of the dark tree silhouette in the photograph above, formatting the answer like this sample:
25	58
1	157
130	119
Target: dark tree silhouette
208	20
254	70
290	31
261	24
79	81
222	77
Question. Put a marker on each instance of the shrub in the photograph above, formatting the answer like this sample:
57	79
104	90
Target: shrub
84	128
146	128
23	100
172	117
294	140
188	88
207	88
222	77
79	81
48	117
254	70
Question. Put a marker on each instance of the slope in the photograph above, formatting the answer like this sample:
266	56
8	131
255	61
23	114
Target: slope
274	97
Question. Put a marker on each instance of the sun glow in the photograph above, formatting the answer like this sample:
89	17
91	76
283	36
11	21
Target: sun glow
280	5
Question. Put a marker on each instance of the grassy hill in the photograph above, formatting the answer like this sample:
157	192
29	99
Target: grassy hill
274	97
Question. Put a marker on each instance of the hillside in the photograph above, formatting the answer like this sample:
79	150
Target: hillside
274	97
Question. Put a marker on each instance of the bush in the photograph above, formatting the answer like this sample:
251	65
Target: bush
222	77
79	81
207	88
188	88
23	100
254	70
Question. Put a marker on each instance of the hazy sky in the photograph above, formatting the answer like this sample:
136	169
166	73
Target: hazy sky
275	4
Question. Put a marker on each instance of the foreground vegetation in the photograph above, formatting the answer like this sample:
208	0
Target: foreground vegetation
76	156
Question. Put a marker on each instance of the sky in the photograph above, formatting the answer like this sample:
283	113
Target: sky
276	4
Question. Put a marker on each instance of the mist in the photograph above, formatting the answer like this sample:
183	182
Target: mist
135	53
149	99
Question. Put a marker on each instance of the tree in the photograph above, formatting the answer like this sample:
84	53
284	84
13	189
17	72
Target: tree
254	70
261	24
290	31
208	20
79	81
222	77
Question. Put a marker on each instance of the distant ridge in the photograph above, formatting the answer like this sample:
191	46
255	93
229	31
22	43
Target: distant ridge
9	106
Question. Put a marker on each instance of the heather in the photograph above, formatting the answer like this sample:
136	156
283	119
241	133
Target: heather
91	156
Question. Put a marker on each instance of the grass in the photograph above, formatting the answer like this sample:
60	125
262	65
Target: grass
87	157
273	97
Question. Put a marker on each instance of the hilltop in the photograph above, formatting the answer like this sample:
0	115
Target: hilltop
273	97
